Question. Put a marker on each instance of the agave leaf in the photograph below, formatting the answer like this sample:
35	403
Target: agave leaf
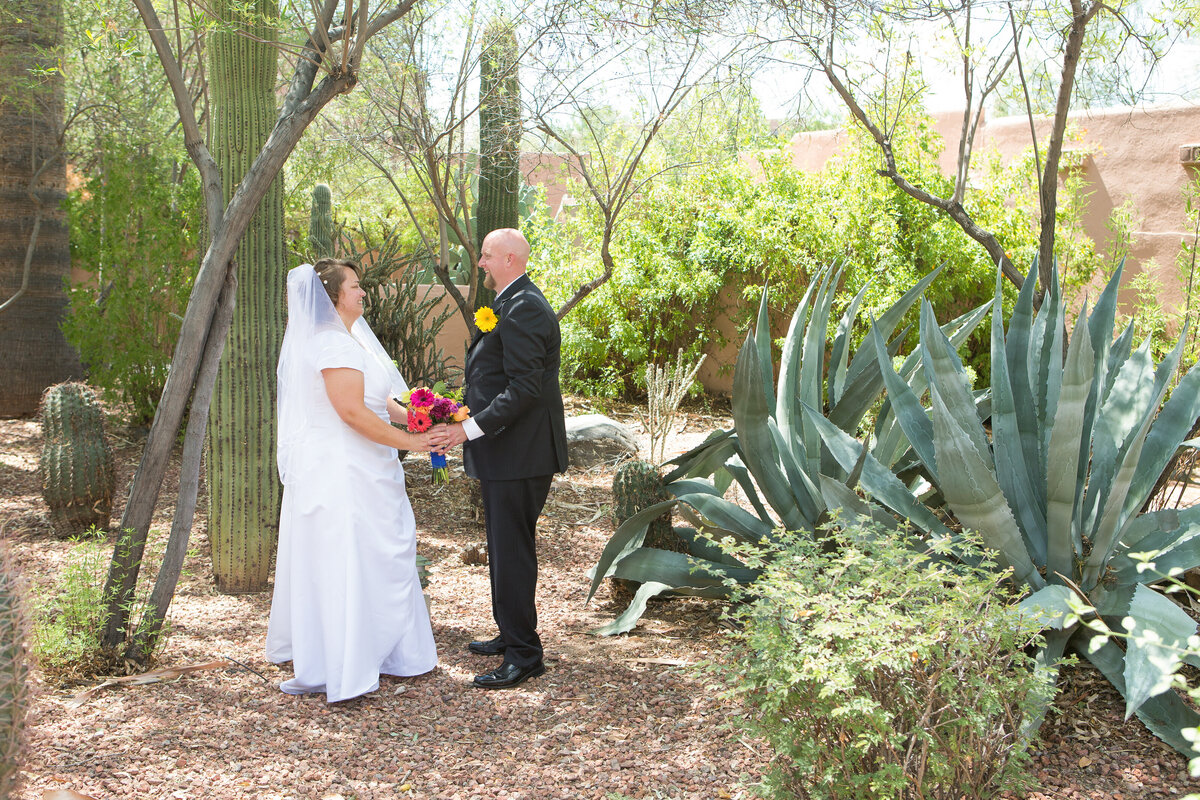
1105	538
891	440
1017	353
682	571
1012	473
877	480
841	498
1156	530
629	617
738	470
1050	607
1119	352
730	516
1121	414
1169	429
888	321
804	491
972	492
839	354
1062	484
1046	359
705	458
787	405
1100	331
948	378
762	343
1183	556
1161	629
910	414
812	369
704	545
1166	714
625	539
861	394
756	443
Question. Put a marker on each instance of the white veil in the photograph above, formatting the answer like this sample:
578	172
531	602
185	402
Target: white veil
310	311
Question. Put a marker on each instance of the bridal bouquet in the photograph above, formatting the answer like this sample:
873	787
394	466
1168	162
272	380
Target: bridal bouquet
427	408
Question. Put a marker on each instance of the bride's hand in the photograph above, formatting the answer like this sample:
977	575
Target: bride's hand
419	441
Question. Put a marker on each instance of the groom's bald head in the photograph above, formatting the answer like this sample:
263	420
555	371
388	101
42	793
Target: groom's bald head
503	257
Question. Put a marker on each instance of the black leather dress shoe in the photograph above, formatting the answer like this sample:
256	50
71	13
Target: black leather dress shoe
508	675
492	647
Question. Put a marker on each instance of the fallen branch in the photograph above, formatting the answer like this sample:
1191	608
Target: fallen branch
154	676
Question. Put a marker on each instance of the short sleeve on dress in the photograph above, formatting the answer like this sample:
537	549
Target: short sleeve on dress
339	350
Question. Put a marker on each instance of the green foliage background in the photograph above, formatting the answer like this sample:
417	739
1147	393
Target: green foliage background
135	228
732	224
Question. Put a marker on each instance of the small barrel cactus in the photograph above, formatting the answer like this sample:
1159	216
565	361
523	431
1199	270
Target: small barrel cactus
636	485
14	671
76	467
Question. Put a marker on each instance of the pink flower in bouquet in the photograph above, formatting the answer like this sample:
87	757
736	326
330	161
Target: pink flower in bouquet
421	398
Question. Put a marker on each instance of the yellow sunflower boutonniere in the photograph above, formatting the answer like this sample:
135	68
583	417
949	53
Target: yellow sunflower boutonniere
485	319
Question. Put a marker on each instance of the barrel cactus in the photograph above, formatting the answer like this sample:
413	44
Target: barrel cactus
14	670
636	485
320	222
76	467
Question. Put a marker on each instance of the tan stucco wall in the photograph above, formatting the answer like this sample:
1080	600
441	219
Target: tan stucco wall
1133	154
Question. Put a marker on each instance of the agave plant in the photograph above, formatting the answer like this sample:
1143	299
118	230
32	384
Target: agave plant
1057	483
774	456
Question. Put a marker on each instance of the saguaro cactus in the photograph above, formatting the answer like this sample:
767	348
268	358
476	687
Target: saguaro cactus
76	465
14	673
499	135
320	222
244	490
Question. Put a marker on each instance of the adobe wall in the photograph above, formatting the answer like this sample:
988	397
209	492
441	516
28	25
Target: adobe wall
1133	154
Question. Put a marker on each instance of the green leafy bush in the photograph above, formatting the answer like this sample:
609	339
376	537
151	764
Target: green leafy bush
692	250
135	228
877	672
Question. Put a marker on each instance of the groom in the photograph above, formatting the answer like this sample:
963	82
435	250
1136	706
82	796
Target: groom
515	440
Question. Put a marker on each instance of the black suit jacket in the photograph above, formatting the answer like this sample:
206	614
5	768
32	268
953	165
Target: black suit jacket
511	386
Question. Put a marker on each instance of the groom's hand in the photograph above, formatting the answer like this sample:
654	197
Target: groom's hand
447	436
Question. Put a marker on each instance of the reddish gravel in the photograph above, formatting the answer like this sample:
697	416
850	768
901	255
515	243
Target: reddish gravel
613	717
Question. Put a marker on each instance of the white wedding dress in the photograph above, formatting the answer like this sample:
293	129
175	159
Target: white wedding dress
347	605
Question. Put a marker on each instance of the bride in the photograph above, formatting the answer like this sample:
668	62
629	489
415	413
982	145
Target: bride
347	605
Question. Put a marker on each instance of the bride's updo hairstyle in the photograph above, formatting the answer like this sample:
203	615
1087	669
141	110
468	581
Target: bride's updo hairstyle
332	272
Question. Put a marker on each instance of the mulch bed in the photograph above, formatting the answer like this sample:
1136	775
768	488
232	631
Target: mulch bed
627	716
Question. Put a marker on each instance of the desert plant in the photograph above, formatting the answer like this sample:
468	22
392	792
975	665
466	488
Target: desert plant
773	453
499	135
879	672
14	672
637	485
665	390
320	223
1056	484
76	465
402	312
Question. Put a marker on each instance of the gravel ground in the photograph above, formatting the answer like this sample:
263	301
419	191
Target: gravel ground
627	716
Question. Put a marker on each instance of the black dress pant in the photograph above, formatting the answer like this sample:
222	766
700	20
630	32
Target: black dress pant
512	509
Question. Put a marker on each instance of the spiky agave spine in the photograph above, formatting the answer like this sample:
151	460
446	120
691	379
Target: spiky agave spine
499	134
14	673
76	467
636	485
320	222
244	489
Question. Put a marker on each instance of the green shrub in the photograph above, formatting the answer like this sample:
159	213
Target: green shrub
876	672
135	228
683	242
69	616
